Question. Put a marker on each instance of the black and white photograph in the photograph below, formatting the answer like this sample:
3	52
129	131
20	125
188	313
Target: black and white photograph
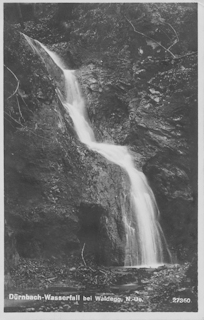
101	153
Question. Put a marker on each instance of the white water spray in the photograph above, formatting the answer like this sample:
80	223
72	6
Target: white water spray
145	241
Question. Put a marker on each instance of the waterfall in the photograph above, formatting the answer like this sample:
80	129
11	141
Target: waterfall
145	241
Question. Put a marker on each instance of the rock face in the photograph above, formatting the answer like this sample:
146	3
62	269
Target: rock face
160	126
60	195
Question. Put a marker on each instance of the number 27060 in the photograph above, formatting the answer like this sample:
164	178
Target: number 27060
181	300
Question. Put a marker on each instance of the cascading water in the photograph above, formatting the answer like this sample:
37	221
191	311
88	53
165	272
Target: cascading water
145	241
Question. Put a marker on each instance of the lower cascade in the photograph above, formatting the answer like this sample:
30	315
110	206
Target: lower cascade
145	241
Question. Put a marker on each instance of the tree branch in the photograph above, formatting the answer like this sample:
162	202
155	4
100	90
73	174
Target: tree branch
177	37
19	109
173	30
13	119
146	36
100	270
186	55
16	80
10	123
24	127
19	94
82	254
165	34
175	41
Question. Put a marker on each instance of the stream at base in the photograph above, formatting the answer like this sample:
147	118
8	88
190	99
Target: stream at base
127	290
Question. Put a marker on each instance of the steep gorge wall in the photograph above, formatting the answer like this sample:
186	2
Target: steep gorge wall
58	193
160	127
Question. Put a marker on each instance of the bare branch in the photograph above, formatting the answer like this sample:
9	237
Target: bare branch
144	35
175	41
16	80
19	108
100	270
9	123
177	37
186	55
82	254
165	34
13	118
24	127
25	102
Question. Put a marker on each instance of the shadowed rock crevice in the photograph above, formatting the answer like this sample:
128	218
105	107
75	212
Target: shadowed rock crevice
90	219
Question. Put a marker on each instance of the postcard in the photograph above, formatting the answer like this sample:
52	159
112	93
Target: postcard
103	160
